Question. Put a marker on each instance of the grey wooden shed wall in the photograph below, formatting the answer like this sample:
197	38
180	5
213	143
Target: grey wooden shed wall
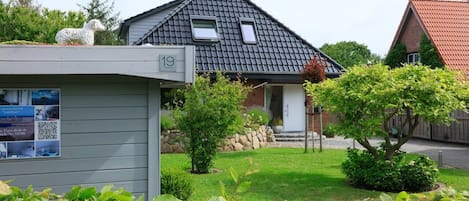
104	138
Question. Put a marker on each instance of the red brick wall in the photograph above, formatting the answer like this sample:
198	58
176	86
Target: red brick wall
411	34
256	96
327	118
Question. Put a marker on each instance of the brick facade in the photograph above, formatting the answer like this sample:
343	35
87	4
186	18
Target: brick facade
327	118
256	96
411	34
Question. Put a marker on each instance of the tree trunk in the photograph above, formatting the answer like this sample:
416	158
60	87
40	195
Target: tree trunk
365	143
389	154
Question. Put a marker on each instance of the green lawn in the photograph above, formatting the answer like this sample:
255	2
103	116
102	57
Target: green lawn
288	174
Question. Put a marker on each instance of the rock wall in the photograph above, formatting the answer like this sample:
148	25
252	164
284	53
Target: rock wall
172	140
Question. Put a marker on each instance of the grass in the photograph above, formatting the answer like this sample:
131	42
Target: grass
288	174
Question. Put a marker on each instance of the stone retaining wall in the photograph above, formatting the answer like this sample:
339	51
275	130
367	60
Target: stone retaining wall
172	140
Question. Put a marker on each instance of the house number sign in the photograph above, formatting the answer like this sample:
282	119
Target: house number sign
167	63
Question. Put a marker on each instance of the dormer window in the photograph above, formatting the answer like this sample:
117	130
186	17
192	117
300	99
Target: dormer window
204	28
413	58
248	30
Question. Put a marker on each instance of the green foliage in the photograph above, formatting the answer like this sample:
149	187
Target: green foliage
33	24
211	112
166	197
350	53
241	181
172	98
364	170
329	131
449	194
176	183
366	98
29	194
104	12
419	175
167	122
77	193
428	53
396	56
256	117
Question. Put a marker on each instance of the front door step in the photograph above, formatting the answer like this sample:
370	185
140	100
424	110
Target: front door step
296	137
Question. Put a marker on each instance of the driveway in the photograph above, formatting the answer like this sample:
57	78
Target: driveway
454	155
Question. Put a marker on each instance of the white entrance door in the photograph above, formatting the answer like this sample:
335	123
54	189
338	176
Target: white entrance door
293	108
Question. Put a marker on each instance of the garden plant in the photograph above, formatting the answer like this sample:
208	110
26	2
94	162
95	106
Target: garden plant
211	112
366	98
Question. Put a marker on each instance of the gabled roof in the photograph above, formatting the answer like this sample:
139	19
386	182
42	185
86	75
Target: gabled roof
279	50
125	24
446	24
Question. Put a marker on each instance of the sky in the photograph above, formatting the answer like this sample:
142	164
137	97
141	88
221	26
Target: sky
369	22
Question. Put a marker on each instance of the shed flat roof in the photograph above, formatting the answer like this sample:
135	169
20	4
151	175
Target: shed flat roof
170	63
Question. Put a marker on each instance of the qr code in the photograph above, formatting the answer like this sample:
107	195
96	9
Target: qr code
47	130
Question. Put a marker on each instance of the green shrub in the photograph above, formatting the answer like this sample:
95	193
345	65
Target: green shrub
256	117
167	122
396	56
365	170
444	195
166	197
329	131
76	193
424	174
429	54
211	112
176	183
384	175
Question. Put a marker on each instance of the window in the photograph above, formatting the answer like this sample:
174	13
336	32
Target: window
413	58
248	31
204	28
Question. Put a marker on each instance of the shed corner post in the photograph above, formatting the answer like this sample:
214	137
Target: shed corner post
154	151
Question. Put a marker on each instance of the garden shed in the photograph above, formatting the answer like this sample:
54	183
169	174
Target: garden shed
85	115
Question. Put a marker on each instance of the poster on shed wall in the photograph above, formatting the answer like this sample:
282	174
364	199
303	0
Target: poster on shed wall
29	123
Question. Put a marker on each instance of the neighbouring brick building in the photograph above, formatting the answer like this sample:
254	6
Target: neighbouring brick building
445	23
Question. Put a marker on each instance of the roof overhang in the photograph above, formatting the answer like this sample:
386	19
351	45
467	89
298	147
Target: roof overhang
275	78
146	62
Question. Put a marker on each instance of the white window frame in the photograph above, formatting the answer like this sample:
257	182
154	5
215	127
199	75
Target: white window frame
252	23
411	58
208	19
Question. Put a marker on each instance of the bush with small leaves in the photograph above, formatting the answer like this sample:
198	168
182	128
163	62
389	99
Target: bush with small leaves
167	122
364	170
419	175
178	184
256	117
449	194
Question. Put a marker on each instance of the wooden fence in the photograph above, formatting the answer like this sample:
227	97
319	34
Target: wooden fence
457	132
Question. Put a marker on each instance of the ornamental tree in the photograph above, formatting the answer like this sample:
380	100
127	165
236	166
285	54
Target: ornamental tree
350	53
366	98
314	70
211	112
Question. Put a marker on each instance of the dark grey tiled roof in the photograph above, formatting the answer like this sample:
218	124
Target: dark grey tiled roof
278	51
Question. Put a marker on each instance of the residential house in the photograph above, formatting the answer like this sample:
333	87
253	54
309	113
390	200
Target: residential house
445	23
238	38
